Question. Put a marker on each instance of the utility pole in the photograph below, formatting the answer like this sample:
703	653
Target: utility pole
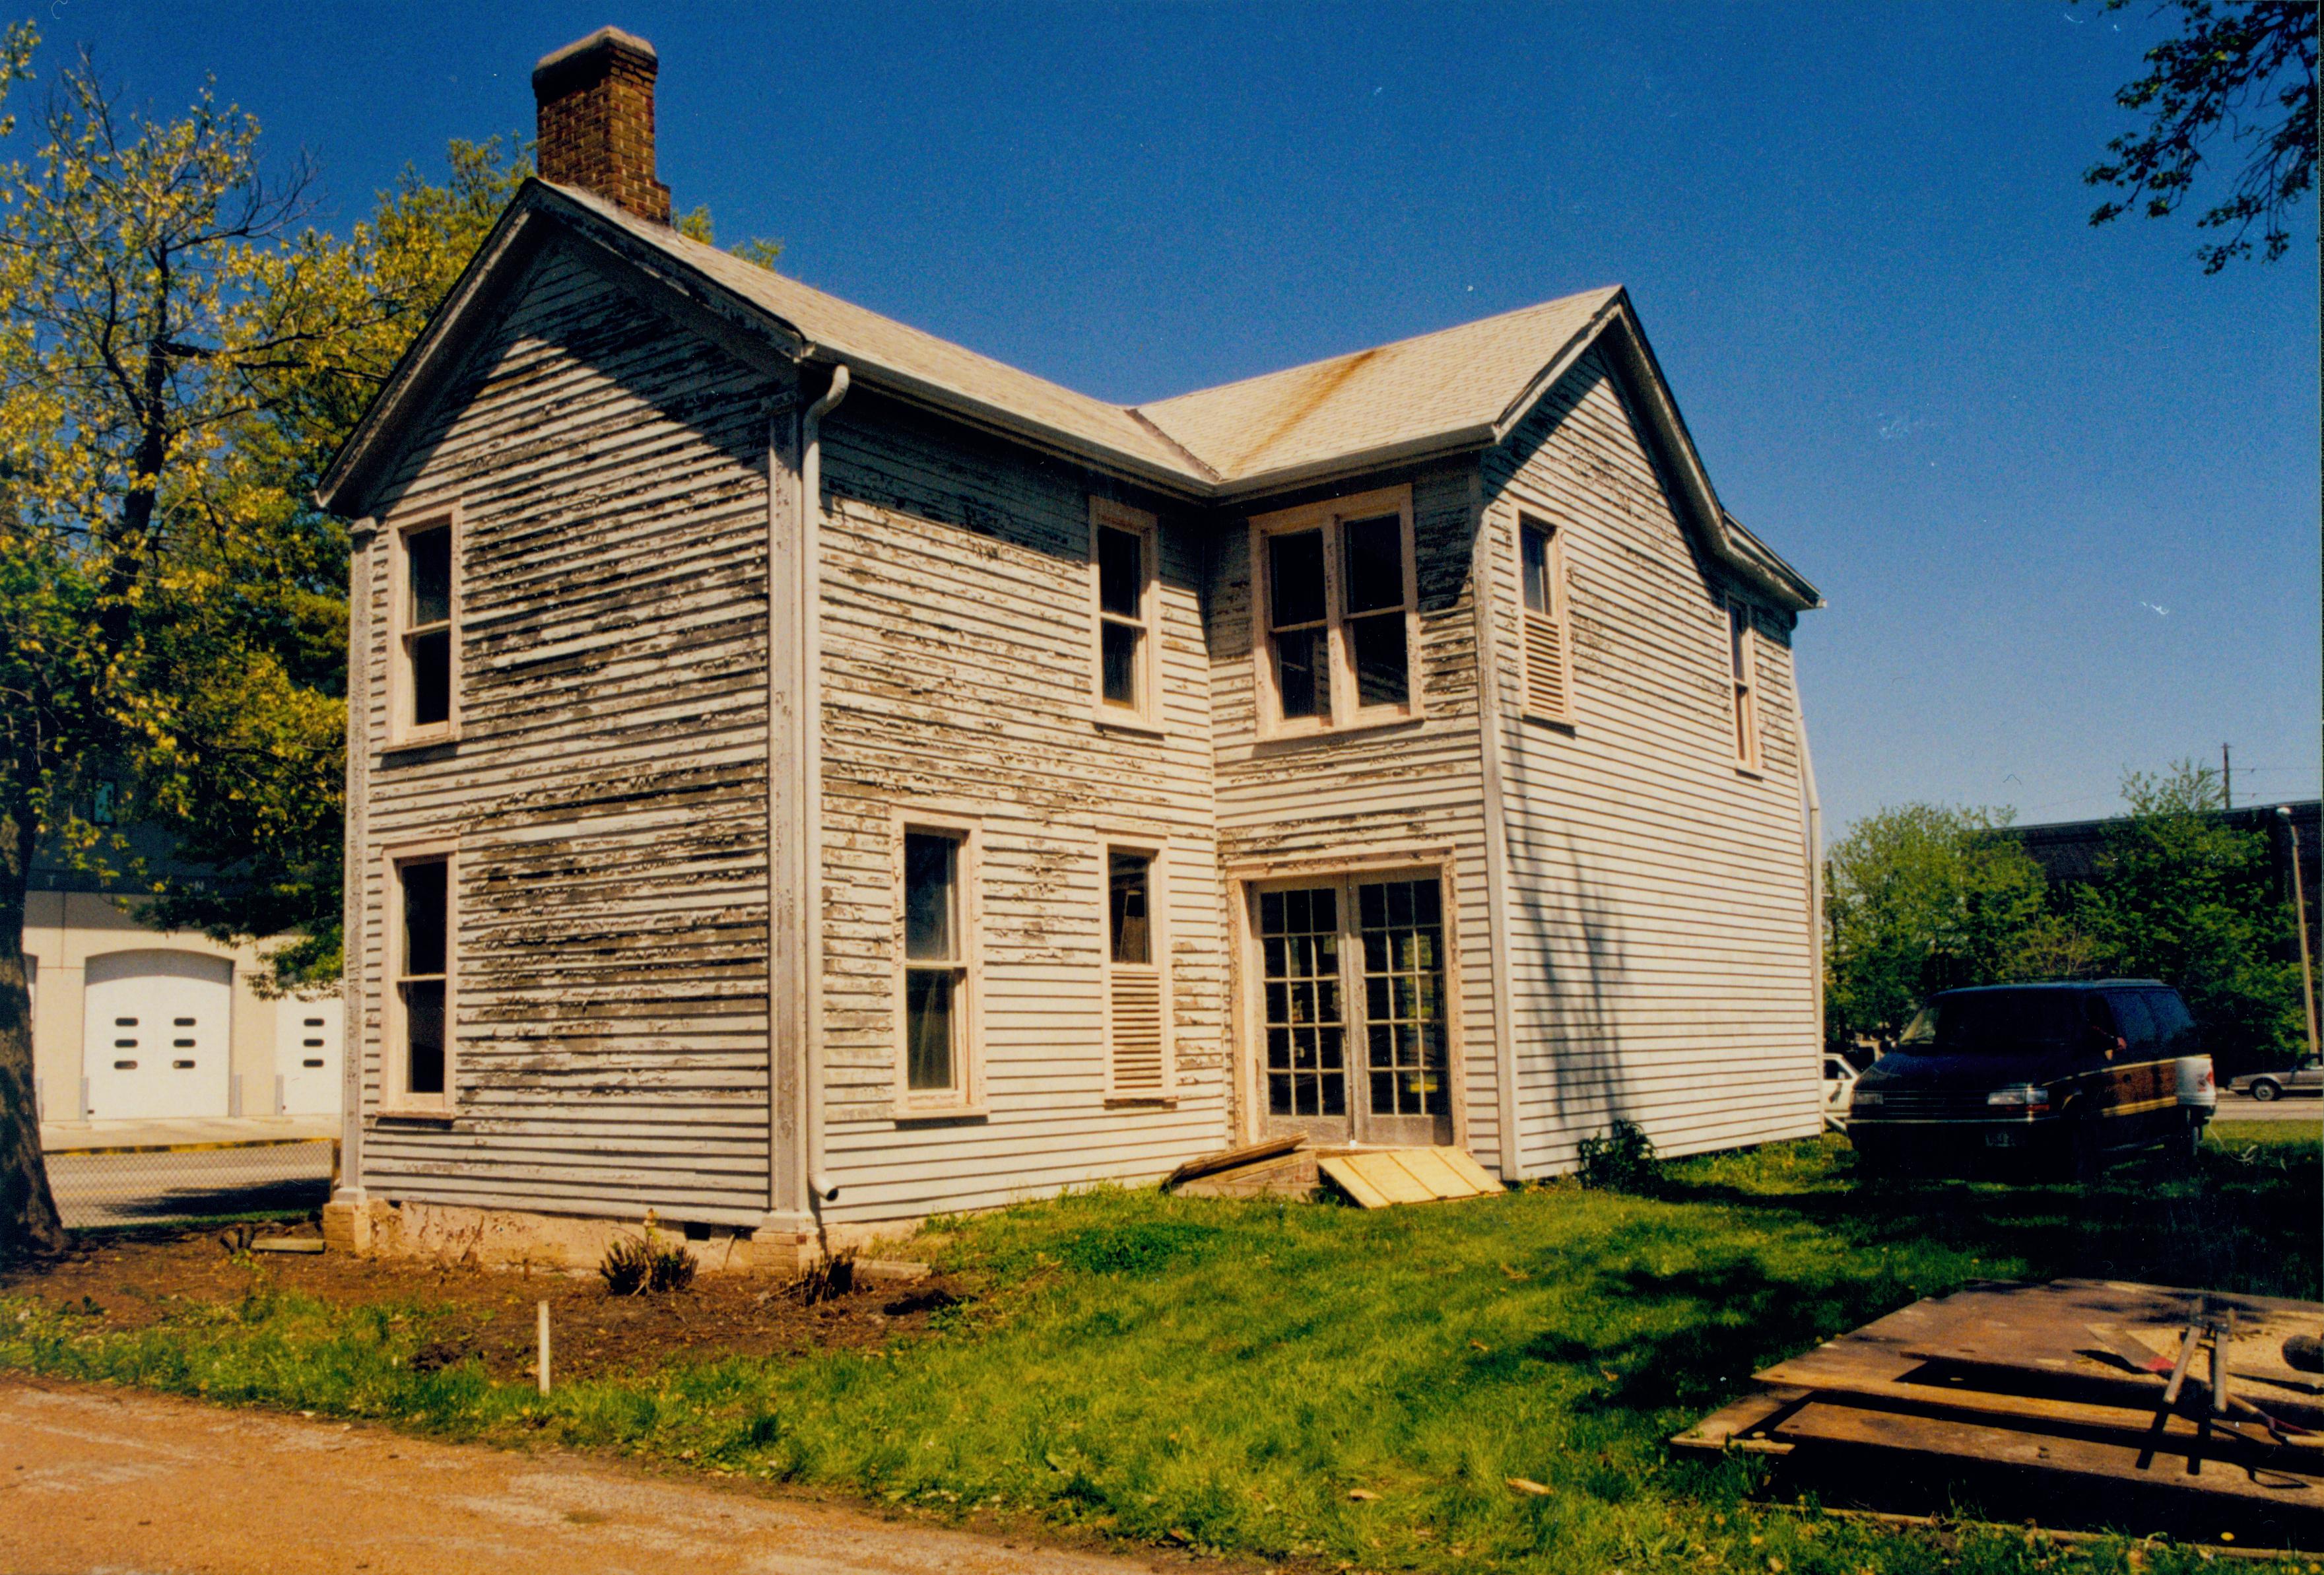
2300	906
2227	777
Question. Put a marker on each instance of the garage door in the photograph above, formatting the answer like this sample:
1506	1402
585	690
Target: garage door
308	1039
157	1034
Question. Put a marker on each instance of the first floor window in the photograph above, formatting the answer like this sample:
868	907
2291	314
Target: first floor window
1137	1008
935	968
422	975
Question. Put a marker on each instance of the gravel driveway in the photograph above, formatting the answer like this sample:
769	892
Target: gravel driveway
107	1479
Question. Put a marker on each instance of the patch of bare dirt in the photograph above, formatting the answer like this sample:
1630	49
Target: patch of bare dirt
129	1282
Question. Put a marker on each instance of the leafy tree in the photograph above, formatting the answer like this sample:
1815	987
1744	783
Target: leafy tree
2244	68
2186	898
1924	898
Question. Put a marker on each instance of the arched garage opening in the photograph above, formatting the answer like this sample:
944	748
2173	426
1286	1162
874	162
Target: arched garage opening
157	1036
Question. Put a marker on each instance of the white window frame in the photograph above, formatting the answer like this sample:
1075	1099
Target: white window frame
1147	713
402	731
1156	854
1558	616
965	1096
1742	652
1344	715
395	1099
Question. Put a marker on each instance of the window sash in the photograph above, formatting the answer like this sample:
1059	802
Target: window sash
1125	675
1351	665
1547	646
1136	976
417	1057
1742	647
936	968
424	686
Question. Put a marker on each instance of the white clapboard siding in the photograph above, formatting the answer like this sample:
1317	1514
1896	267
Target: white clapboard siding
1660	957
1284	802
957	637
608	789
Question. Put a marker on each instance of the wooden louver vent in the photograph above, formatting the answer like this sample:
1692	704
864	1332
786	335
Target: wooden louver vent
1546	686
1137	1016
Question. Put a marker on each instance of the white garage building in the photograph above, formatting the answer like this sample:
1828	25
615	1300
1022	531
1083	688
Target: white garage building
134	1024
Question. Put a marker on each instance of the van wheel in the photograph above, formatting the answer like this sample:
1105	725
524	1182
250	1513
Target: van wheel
2264	1089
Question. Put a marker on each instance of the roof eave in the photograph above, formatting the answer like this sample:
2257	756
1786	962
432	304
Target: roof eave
1407	451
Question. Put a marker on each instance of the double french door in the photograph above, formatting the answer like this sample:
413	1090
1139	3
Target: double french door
1353	1009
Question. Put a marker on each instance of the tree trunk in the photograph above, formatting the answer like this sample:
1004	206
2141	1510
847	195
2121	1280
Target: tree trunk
28	1209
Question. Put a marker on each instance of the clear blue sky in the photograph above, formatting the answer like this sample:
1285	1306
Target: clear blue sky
2060	489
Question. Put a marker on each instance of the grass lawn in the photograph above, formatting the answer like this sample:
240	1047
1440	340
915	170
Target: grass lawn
1229	1375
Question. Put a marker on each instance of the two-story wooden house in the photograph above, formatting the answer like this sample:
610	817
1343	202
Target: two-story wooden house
805	776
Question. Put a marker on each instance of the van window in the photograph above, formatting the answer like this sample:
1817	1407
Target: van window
2172	1026
2133	1020
1995	1022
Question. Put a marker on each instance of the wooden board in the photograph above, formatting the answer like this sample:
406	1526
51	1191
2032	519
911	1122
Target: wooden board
1377	1177
1231	1159
1733	1425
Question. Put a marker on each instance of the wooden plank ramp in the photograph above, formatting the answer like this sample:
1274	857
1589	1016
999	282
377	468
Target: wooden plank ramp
2040	1401
1375	1178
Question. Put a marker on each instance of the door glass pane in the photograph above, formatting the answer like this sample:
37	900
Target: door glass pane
1307	1056
1121	573
1535	547
1296	578
1374	549
931	898
1402	926
928	999
1126	875
427	559
1117	657
1382	668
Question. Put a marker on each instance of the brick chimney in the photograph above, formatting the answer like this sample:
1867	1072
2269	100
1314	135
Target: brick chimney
597	108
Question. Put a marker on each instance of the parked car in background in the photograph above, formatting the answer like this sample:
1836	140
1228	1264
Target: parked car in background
1838	1085
2307	1078
2063	1075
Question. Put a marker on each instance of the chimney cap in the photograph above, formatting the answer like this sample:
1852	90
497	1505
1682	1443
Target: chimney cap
607	41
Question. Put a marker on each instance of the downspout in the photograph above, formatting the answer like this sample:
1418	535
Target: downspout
820	1188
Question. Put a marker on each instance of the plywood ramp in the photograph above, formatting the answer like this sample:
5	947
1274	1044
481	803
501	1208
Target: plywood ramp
1377	1177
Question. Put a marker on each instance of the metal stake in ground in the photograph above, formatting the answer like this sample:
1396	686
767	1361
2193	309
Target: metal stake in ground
541	1368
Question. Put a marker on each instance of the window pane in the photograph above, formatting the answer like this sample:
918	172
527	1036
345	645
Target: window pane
1738	620
431	678
1295	594
1117	661
423	918
928	995
428	561
1375	554
1381	674
1537	569
931	898
1126	874
1302	673
423	1036
1120	572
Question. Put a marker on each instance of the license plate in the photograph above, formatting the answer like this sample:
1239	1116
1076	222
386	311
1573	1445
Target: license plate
2001	1139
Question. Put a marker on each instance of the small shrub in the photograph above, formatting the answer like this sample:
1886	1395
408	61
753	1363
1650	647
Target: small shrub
827	1280
1623	1161
634	1265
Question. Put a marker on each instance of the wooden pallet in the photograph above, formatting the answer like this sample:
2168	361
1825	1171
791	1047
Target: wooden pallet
2044	1399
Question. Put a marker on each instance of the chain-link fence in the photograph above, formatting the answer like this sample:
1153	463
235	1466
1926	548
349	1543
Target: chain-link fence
163	1183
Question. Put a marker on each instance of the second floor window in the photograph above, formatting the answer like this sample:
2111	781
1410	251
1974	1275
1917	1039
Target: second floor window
1742	659
1122	548
1548	644
426	654
1336	601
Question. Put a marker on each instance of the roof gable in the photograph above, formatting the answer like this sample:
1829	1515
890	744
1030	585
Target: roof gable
1461	388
